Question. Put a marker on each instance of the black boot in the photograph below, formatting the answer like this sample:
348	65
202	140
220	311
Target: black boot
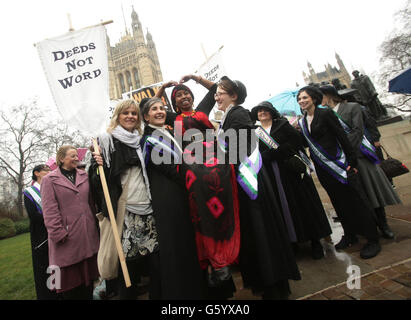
382	223
317	251
370	249
345	242
218	276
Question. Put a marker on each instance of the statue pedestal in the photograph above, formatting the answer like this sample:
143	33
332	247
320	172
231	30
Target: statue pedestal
388	120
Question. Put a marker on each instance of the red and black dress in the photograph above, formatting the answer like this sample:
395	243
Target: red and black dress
212	190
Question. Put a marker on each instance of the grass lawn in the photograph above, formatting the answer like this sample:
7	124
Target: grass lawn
16	269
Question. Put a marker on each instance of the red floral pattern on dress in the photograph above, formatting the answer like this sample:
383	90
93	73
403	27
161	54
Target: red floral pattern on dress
213	181
190	178
215	206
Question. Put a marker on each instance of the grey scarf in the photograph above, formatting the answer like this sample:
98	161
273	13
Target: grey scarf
131	139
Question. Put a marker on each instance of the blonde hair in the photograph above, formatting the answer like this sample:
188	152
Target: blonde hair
123	105
62	152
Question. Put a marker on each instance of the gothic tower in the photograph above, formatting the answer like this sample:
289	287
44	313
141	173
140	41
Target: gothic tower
345	76
133	62
328	74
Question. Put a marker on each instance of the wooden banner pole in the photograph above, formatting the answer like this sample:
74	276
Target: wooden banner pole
112	219
71	28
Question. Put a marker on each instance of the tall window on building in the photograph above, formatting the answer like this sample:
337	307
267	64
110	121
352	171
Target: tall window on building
136	78
121	79
129	83
154	72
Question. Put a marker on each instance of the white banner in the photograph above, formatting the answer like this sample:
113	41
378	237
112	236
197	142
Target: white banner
213	68
76	68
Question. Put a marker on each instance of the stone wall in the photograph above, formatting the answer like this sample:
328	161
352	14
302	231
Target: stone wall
396	139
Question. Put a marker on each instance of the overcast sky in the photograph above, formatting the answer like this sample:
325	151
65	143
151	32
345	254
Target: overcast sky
266	43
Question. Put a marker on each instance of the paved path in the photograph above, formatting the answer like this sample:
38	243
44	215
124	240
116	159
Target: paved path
386	276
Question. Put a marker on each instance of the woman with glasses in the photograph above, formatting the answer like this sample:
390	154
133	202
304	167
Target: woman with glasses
211	187
266	258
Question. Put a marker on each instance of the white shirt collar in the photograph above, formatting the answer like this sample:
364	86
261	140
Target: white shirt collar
225	115
336	107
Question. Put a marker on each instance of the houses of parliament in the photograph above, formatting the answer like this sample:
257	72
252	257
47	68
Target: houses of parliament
329	74
133	62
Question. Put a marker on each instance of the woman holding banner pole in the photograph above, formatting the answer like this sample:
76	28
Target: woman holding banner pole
335	164
130	196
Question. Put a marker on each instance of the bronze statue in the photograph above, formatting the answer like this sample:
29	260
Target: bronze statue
337	84
367	95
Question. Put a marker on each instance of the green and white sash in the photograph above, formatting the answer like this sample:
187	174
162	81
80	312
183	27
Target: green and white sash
248	170
265	137
366	148
33	193
247	176
336	166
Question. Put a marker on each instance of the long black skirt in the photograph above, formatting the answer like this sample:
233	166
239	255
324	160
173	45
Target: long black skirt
350	203
307	212
266	256
180	272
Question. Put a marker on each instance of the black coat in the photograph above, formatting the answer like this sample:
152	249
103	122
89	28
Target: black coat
39	249
370	126
349	202
326	130
181	275
122	158
307	212
266	256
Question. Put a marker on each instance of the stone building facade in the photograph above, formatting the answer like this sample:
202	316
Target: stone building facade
329	74
133	62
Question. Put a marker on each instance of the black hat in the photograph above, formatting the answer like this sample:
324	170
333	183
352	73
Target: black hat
239	89
330	90
173	95
143	102
266	105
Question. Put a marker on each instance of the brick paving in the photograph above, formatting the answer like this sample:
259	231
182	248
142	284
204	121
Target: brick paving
385	277
390	283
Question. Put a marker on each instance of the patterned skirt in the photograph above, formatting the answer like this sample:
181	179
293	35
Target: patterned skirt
139	236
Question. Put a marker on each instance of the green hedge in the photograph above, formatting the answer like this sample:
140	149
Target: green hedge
22	226
7	228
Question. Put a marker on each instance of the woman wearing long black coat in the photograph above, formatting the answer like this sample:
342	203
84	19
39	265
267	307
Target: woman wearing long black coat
180	272
336	167
377	187
266	258
309	220
38	235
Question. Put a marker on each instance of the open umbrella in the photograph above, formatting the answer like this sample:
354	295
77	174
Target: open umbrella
401	83
286	103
